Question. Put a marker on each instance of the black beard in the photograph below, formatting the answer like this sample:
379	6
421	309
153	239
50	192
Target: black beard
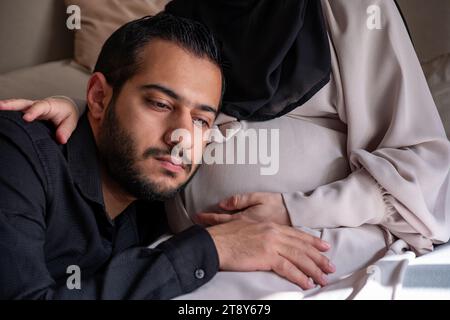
119	156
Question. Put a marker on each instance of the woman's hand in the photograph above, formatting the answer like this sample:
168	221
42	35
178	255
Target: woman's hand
258	206
62	112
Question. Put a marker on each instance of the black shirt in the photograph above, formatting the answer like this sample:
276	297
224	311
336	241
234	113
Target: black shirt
53	219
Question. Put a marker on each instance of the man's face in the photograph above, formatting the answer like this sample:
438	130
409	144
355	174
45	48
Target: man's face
172	90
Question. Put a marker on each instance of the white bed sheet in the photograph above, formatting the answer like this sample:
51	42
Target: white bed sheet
398	275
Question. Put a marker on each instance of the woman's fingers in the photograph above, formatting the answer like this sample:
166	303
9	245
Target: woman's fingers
241	201
15	104
64	119
212	219
65	129
41	110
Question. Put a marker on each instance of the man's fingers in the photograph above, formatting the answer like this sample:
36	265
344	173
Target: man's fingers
300	247
321	261
302	261
15	104
314	241
211	219
289	271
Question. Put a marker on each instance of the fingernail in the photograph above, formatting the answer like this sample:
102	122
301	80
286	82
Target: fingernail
332	267
326	244
324	279
310	284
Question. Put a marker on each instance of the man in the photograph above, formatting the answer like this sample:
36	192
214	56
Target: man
76	220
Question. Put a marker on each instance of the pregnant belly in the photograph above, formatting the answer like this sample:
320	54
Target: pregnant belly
304	156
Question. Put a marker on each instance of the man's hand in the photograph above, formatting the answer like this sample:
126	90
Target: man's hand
258	206
247	245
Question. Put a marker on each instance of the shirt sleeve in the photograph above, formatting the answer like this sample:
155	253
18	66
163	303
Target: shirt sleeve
178	266
397	148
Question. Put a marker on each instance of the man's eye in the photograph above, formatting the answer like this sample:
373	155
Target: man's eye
157	104
201	123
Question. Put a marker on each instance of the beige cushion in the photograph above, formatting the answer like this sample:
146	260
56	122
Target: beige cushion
33	32
49	79
429	24
100	18
437	72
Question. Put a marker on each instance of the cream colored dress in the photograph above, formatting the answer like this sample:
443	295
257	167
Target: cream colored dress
362	163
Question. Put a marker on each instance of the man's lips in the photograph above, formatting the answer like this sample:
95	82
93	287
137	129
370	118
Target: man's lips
169	164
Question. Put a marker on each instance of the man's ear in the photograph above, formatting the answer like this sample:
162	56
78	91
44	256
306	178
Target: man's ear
99	95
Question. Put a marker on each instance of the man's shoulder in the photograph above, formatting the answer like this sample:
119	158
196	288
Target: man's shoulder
13	126
34	141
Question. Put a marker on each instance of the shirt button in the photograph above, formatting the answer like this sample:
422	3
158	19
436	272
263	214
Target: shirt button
199	273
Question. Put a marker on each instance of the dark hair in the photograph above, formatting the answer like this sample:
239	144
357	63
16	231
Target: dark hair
119	59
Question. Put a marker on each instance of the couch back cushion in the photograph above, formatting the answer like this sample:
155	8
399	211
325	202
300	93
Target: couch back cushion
33	32
429	23
100	18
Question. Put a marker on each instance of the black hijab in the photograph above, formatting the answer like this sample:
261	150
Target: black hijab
276	52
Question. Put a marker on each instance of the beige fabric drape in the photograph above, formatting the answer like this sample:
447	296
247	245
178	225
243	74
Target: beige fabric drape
395	140
369	148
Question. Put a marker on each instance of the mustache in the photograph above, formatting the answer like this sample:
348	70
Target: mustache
155	152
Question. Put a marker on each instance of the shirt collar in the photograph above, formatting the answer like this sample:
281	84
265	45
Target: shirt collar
84	162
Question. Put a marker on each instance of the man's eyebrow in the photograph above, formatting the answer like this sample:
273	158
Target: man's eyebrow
176	96
208	109
163	89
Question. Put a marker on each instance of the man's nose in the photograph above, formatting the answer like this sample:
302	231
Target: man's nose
180	130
